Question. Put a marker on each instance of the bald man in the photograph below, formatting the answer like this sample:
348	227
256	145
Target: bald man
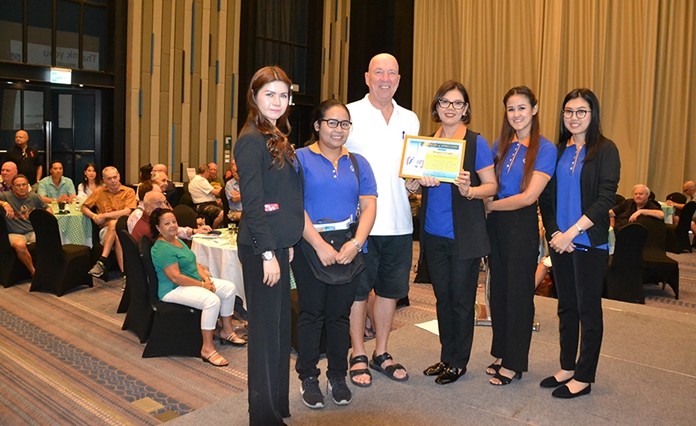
630	210
156	200
379	126
9	171
161	178
28	161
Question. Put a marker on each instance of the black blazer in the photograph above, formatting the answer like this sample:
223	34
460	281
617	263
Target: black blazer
273	204
598	183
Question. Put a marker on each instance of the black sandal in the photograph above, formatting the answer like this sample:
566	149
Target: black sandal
376	364
360	371
495	367
504	380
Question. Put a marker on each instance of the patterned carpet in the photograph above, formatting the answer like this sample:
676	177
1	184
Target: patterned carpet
66	360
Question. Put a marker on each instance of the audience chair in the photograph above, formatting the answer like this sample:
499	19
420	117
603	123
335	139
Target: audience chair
139	315
678	235
658	268
59	268
185	198
12	271
618	199
677	197
625	277
176	329
122	224
186	216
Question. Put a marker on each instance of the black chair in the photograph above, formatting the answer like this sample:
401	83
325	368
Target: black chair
176	329
139	315
678	235
677	197
625	277
13	270
122	224
59	268
658	268
618	199
185	198
185	216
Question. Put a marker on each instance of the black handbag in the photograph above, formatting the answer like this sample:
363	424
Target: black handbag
334	274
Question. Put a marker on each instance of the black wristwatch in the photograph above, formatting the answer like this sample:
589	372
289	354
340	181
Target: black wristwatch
267	255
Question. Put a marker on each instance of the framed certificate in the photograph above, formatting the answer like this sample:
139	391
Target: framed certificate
436	157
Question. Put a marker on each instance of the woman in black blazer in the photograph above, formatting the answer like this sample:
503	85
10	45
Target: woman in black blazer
575	209
272	223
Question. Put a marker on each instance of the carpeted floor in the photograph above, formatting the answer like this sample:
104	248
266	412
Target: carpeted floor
67	361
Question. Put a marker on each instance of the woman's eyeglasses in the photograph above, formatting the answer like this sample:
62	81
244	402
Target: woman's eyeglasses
580	114
345	124
444	104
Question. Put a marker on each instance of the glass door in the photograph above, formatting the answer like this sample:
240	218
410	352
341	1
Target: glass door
63	124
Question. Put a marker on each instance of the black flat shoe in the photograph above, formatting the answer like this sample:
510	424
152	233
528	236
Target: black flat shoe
450	375
504	380
435	369
565	393
551	382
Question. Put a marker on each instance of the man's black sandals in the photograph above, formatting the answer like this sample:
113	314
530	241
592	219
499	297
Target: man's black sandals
360	371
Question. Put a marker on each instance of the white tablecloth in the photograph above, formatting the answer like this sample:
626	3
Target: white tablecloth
220	256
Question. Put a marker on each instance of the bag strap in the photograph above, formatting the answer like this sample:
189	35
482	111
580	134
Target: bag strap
356	171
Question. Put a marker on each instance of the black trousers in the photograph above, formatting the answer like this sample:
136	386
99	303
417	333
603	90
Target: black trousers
579	277
514	251
454	283
268	313
321	305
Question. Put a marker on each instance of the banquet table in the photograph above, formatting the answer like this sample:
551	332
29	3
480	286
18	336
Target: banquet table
75	228
219	254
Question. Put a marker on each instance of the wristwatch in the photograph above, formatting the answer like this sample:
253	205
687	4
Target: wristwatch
579	228
267	255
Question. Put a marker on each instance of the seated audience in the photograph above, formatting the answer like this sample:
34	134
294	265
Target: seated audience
640	205
160	175
17	204
111	201
204	197
234	197
143	189
9	171
215	180
156	200
183	280
55	187
90	182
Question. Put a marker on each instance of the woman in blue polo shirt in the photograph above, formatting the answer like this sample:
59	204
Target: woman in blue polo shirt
575	208
524	163
333	189
453	232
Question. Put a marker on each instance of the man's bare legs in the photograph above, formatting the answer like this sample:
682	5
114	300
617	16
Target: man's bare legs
357	330
20	247
382	321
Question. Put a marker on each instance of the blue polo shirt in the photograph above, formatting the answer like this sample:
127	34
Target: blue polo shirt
569	193
331	191
46	187
438	215
513	165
